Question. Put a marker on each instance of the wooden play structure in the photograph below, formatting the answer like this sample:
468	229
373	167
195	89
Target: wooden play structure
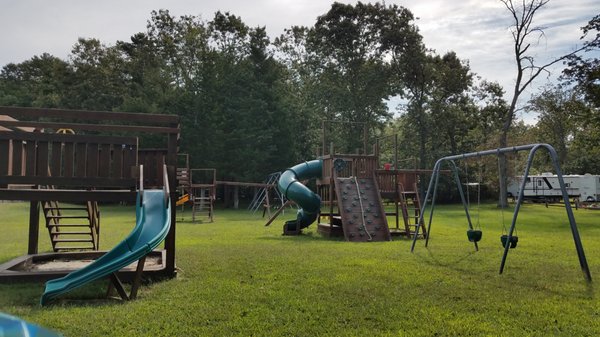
184	180
350	194
353	187
203	193
96	163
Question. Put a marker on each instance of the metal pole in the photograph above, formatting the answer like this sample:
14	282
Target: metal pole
435	186
578	245
433	179
533	149
517	207
462	198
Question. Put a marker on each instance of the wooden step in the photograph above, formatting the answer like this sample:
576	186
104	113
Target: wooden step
74	248
67	216
68	225
67	208
72	240
71	233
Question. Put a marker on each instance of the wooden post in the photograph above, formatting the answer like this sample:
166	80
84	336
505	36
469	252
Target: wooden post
395	151
323	135
236	197
34	226
365	138
268	202
171	160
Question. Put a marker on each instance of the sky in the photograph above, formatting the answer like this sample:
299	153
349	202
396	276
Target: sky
477	30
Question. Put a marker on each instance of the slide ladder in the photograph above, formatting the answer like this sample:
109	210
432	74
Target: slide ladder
361	209
73	227
411	209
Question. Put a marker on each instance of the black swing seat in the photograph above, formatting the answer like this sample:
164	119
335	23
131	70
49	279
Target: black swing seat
474	235
512	240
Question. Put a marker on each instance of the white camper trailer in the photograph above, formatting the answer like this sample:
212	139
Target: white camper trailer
545	187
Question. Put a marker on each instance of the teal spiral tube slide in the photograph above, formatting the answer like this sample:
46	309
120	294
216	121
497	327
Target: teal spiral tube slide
290	186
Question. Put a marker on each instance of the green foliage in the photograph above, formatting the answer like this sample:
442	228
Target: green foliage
239	278
39	82
250	107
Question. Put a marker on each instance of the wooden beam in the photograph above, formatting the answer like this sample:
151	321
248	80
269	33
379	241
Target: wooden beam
89	115
68	195
91	127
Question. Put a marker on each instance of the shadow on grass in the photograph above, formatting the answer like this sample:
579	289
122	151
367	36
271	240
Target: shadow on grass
581	289
309	236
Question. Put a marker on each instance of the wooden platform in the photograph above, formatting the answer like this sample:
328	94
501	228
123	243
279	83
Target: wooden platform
330	231
47	266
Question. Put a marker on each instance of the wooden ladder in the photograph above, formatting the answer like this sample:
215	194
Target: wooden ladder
410	204
74	227
203	203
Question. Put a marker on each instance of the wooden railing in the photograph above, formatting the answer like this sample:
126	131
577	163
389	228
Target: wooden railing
67	160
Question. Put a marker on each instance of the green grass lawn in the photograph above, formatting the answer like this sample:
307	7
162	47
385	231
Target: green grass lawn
237	277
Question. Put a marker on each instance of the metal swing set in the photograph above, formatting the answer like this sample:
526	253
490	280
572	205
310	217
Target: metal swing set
508	240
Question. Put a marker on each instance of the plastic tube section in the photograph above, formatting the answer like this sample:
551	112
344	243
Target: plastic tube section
290	186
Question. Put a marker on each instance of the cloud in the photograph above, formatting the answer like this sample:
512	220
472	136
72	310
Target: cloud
476	30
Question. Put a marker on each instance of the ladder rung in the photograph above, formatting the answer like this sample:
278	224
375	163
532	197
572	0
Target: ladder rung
67	216
72	240
68	208
67	225
74	248
71	233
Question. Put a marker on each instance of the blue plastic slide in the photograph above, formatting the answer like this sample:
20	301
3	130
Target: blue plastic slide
11	326
153	220
290	186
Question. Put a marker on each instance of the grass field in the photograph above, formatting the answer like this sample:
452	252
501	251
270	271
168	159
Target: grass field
239	278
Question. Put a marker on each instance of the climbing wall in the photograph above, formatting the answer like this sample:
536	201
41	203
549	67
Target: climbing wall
361	210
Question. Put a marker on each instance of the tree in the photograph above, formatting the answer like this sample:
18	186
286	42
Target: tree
524	33
350	47
557	109
98	81
585	73
40	81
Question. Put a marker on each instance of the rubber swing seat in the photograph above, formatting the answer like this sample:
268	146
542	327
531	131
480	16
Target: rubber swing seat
512	240
474	235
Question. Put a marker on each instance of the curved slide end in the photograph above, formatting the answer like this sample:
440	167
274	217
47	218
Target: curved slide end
152	225
289	185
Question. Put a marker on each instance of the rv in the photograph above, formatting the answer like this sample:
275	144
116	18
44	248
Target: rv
545	187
